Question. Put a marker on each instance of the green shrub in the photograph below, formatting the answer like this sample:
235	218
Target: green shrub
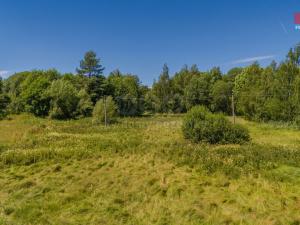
4	101
16	105
85	105
200	125
297	122
33	91
99	111
64	100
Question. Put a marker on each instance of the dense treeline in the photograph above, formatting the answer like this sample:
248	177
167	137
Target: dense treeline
271	93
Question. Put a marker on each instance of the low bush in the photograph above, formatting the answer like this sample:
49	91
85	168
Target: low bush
64	100
85	105
200	125
99	110
4	101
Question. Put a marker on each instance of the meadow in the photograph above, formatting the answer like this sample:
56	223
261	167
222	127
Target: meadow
142	171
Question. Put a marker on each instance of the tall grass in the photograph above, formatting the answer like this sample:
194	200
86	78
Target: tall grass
160	136
143	171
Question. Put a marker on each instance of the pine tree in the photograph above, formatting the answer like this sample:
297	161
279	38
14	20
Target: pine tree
90	66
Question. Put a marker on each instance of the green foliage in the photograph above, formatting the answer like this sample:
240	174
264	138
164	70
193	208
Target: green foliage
177	104
79	81
34	95
16	105
150	102
263	94
297	121
273	110
293	55
127	93
41	158
4	101
221	96
232	73
1	85
12	88
96	88
64	100
162	91
90	66
197	91
200	125
269	94
99	110
12	85
179	82
215	74
85	105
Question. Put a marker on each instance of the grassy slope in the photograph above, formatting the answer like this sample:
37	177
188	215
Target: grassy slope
142	171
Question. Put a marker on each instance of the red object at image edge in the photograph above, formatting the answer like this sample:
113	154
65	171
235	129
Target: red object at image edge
297	18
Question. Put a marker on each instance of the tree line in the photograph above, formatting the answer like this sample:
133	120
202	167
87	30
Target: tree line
270	93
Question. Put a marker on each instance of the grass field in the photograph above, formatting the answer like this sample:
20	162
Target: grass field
142	171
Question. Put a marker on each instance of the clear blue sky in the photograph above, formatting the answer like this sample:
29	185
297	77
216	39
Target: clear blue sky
139	36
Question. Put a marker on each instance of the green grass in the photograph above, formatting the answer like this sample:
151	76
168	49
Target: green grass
142	171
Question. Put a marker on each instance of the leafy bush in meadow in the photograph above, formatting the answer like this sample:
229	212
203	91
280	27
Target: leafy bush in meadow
200	125
85	105
64	100
99	110
4	101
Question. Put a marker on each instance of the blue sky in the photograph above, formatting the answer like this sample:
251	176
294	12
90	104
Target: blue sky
139	36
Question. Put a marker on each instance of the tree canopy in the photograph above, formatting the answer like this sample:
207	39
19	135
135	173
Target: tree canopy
270	93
